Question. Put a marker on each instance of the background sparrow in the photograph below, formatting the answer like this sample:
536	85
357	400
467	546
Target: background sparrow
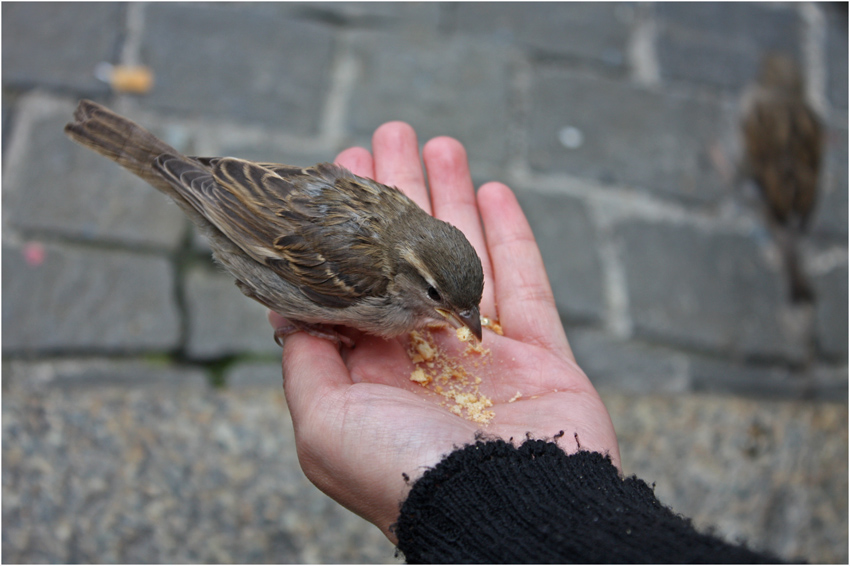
784	143
317	245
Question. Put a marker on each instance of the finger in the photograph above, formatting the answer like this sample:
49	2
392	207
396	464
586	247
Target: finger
453	200
527	310
357	160
313	375
397	161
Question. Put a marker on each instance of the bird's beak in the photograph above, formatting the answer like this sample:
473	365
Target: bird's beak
469	318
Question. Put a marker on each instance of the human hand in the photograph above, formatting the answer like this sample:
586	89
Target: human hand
360	423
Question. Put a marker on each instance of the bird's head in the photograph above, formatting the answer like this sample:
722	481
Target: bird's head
440	274
782	73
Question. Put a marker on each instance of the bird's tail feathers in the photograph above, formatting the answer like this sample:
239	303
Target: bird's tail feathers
119	139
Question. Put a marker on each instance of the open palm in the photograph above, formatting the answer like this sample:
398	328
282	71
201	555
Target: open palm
362	426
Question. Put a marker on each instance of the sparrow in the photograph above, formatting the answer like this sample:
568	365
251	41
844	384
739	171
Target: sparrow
783	140
318	245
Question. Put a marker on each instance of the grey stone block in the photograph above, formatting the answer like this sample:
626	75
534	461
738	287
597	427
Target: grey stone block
238	63
615	365
566	236
223	321
594	31
27	377
831	313
55	186
830	383
836	54
255	374
455	87
761	382
413	16
721	44
709	291
8	103
58	45
618	133
830	216
772	473
64	189
83	300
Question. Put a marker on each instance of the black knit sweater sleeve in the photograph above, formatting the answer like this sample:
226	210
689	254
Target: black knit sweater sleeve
493	502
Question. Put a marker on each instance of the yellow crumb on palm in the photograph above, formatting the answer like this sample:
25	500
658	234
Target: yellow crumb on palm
464	334
493	325
420	377
476	348
464	398
421	349
475	406
478	411
452	381
515	397
473	346
458	373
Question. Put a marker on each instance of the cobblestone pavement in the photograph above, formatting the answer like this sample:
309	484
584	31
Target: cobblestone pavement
142	413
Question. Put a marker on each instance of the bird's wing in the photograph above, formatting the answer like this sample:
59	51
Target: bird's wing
314	227
807	150
767	131
784	147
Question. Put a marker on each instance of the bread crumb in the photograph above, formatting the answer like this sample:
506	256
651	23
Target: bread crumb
132	79
473	346
458	373
423	350
452	381
515	397
476	348
464	334
420	377
465	398
492	325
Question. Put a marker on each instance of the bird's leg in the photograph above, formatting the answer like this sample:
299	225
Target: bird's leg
292	326
318	330
801	289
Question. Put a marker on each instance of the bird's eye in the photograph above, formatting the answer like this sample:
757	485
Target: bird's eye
433	294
